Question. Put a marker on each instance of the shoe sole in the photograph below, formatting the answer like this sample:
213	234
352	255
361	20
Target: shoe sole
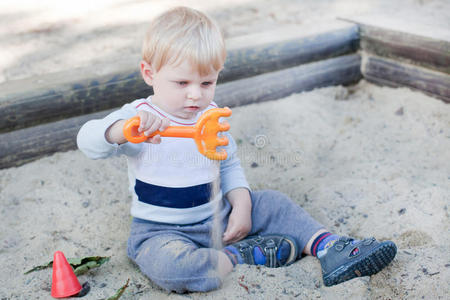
367	265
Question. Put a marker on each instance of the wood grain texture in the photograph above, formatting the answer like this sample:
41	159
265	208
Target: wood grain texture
405	40
420	50
392	73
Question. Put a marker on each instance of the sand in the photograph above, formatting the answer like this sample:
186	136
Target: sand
363	160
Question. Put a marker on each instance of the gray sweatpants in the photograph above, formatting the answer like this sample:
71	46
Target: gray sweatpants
182	258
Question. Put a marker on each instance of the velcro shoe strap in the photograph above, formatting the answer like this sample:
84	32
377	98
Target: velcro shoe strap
246	251
270	252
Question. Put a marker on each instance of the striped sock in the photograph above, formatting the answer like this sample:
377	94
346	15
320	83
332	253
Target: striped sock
232	255
322	242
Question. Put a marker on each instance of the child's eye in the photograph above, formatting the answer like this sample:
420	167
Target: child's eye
181	82
206	83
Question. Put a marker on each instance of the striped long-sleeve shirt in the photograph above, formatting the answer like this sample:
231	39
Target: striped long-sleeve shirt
170	182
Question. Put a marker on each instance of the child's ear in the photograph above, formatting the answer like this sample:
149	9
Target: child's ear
147	72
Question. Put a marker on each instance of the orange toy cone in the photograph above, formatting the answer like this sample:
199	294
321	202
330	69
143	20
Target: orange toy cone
64	282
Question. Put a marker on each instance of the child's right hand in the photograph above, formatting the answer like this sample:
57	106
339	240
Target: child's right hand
151	123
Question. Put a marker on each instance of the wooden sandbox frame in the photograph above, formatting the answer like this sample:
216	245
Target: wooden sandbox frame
43	116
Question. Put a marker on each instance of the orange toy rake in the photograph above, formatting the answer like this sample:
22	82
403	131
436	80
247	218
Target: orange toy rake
204	132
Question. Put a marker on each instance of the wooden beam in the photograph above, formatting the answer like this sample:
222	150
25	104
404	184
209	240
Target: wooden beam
287	47
24	145
53	97
389	72
270	86
411	42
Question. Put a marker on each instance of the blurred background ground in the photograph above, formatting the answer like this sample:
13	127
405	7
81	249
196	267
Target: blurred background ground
38	37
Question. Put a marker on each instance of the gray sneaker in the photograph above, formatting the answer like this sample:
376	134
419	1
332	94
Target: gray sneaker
269	246
348	259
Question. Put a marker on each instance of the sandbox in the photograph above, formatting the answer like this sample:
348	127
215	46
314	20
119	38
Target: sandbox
364	160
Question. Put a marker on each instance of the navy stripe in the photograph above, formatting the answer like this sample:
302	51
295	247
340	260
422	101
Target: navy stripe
184	197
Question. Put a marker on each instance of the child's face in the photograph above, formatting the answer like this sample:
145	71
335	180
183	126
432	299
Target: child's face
180	90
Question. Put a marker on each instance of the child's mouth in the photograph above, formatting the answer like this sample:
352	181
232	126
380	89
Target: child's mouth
192	108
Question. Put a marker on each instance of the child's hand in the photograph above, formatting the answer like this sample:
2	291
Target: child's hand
151	123
240	219
239	225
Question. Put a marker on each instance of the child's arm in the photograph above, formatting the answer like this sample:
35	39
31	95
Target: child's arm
91	139
231	173
235	187
103	138
149	124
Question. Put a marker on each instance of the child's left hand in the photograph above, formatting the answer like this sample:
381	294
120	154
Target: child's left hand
240	219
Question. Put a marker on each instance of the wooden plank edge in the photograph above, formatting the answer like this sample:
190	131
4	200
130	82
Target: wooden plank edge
421	50
28	144
49	98
270	86
392	73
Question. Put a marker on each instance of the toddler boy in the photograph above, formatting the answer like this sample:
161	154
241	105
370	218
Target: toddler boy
178	195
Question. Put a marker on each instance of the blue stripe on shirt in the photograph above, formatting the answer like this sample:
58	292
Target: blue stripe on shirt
184	197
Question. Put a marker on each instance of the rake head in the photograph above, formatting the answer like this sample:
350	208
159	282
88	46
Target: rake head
206	133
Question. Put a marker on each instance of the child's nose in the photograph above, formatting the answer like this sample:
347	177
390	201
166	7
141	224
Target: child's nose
194	93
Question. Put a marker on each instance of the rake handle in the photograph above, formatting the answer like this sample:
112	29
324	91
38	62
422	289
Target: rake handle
204	132
131	133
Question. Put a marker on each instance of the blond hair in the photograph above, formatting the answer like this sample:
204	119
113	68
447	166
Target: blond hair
184	33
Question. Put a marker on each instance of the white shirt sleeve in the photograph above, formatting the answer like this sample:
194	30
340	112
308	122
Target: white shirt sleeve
91	138
232	175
